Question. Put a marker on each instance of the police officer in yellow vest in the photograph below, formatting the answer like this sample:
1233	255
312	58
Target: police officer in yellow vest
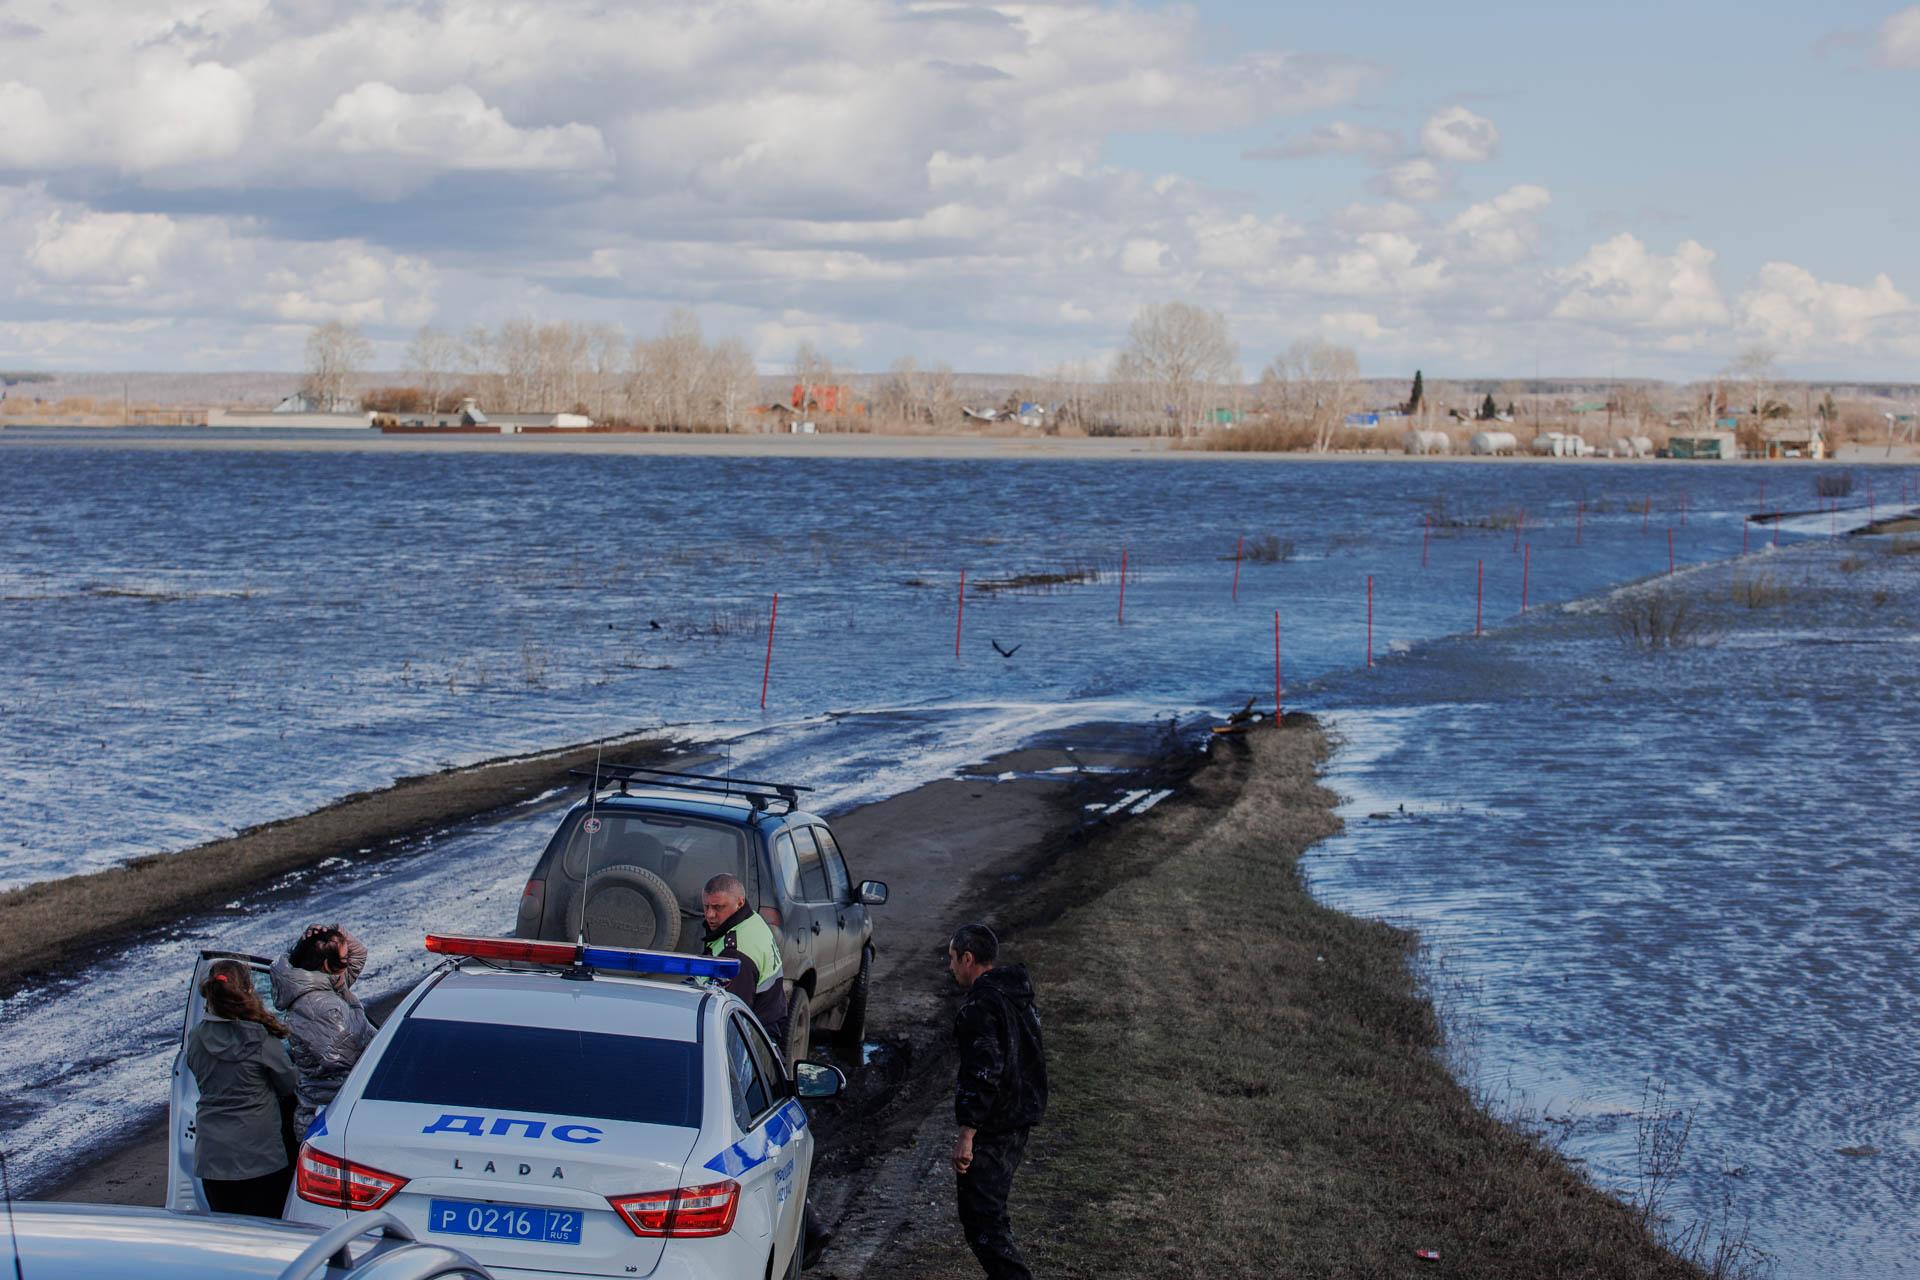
736	931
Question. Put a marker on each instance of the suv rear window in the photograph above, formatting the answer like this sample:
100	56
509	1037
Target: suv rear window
685	852
542	1070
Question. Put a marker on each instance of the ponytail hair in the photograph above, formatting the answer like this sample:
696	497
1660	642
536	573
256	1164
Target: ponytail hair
229	994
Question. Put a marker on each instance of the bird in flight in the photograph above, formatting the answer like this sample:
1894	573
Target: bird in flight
1005	653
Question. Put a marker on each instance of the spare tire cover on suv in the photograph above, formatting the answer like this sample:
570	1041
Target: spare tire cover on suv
627	906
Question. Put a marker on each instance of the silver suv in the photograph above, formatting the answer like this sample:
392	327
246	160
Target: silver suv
627	866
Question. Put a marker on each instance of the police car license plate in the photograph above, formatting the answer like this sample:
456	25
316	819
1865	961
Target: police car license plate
504	1221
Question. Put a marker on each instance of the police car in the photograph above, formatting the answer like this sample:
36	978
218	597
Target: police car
583	1110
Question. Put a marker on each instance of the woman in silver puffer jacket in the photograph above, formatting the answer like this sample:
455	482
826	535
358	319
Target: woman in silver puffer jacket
327	1028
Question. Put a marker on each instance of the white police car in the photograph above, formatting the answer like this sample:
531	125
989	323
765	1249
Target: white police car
550	1109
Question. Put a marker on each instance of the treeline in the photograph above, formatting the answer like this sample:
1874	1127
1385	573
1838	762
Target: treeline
1178	374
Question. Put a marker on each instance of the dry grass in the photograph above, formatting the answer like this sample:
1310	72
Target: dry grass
1288	437
1657	620
1246	1083
53	923
1758	591
1040	581
1270	549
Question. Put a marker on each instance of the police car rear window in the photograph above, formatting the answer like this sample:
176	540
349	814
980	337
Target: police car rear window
542	1070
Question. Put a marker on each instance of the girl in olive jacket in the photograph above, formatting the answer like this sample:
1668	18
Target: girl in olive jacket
238	1056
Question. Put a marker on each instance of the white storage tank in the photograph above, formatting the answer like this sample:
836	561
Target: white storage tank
1421	442
1489	443
1550	444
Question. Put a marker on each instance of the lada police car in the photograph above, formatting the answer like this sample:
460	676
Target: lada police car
575	1109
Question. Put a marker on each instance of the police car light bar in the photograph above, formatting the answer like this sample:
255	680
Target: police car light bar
619	959
662	962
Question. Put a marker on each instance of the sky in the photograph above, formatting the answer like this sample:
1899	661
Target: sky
1483	190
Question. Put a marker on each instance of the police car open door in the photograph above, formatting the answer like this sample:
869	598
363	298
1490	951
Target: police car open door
184	1194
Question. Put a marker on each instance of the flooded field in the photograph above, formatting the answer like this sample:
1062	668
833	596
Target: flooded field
1684	866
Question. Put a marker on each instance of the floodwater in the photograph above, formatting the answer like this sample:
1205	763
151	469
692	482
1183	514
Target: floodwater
1683	866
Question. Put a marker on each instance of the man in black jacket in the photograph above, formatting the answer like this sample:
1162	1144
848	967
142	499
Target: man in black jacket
1000	1095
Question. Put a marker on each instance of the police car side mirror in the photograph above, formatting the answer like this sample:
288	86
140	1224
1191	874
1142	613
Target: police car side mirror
873	893
817	1080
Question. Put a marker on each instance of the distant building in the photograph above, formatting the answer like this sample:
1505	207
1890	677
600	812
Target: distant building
1784	441
470	419
1721	445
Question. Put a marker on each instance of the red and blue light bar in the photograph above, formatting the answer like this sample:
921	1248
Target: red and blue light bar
612	959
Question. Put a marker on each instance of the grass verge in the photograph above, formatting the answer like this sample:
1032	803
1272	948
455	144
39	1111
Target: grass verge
1247	1083
55	923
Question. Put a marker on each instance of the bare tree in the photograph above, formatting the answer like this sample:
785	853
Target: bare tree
942	395
336	352
1314	385
432	358
903	393
1182	352
607	369
733	381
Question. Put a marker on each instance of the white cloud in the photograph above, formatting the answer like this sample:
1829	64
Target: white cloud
33	135
1501	230
1619	283
1458	135
174	114
1788	307
1898	42
1418	179
452	129
102	247
1351	327
1143	257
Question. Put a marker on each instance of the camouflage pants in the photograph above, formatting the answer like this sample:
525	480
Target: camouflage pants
984	1189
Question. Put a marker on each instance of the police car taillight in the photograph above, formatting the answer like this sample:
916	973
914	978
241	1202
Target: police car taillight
689	1213
342	1184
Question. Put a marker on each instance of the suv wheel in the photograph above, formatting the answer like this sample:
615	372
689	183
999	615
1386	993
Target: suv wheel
627	906
853	1024
799	1026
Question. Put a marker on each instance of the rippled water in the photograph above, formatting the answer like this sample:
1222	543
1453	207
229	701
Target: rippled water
1693	867
1694	871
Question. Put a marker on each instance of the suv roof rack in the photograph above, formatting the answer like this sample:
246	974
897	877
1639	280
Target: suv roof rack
758	794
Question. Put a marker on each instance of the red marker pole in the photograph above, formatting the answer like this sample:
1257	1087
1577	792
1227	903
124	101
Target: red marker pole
960	613
766	673
1426	538
1276	664
1646	514
1369	619
1526	572
1238	546
1669	550
1122	615
1479	593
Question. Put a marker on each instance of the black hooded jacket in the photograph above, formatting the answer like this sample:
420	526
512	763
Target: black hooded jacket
1003	1067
